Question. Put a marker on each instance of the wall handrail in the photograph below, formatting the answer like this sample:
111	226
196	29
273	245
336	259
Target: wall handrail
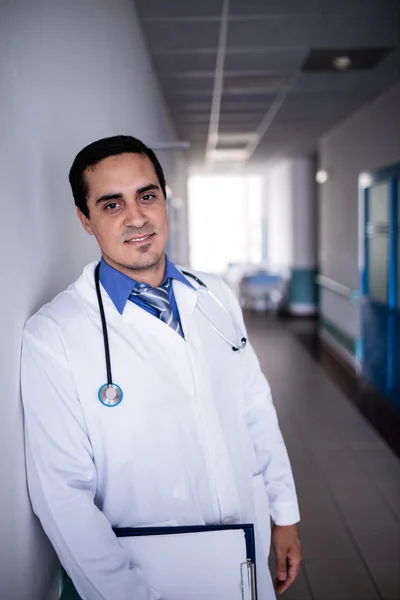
338	288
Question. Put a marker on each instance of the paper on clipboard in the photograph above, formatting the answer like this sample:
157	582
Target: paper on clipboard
194	566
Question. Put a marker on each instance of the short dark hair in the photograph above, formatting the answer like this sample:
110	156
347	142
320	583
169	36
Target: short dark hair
97	151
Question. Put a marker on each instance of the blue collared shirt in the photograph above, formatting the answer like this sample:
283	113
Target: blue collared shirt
119	287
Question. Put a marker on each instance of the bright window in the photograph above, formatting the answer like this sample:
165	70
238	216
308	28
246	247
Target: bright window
225	221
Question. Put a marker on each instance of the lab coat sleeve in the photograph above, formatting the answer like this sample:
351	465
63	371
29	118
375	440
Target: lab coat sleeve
62	474
265	432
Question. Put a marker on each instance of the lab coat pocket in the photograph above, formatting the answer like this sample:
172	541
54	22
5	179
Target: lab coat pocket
263	519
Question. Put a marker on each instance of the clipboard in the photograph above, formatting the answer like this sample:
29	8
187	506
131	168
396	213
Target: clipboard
177	547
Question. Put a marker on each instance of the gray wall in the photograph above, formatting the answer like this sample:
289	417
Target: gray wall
71	71
368	140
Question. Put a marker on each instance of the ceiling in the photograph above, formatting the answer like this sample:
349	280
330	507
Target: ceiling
231	70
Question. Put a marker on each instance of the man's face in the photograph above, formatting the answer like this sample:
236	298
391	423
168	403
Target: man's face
127	212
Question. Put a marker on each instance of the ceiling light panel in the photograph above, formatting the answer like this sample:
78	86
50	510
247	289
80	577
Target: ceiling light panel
229	138
227	155
235	140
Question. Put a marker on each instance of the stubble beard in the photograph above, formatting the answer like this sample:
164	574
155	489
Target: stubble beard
146	261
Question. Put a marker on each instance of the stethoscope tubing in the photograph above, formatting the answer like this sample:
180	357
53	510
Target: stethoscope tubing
103	390
103	325
243	340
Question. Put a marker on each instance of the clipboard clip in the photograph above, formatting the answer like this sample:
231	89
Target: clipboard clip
248	580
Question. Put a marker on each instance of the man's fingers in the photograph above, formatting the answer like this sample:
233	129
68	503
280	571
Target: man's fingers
293	571
281	568
282	586
287	546
294	568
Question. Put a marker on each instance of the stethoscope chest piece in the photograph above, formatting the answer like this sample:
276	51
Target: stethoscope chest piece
110	394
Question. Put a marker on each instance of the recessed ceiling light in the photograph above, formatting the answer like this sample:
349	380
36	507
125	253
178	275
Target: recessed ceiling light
321	176
365	180
341	63
330	60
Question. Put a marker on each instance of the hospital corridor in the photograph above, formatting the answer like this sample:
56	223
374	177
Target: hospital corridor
200	307
346	474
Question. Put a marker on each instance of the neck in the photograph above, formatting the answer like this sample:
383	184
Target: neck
153	275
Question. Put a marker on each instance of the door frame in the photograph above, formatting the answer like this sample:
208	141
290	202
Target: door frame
392	176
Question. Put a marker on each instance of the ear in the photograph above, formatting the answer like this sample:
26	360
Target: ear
85	221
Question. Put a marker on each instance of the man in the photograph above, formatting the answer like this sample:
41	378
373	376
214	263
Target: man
189	435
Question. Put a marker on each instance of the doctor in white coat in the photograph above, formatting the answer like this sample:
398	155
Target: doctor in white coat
190	435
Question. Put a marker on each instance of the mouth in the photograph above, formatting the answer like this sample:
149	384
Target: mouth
140	240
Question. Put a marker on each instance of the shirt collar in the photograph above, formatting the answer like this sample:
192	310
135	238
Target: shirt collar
119	286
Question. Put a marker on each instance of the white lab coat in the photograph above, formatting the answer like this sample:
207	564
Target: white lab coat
195	439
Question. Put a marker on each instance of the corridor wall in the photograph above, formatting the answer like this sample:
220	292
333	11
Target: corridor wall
71	72
291	229
368	140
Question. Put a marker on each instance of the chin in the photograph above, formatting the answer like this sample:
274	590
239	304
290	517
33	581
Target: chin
144	259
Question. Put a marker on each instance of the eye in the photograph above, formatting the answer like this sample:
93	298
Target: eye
110	207
148	198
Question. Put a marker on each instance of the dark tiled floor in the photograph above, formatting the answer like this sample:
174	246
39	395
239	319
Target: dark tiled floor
348	478
376	409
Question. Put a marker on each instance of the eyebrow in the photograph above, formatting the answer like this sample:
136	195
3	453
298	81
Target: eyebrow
118	195
147	188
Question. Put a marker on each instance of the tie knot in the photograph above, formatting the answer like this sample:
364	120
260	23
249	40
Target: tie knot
157	297
141	289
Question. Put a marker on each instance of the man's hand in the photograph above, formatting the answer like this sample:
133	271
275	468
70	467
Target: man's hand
287	547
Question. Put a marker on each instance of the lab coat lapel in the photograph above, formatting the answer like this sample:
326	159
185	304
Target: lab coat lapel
169	351
186	300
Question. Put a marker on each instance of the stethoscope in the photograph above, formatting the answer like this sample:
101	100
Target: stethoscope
110	394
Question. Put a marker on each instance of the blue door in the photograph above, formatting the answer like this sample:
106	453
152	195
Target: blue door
380	308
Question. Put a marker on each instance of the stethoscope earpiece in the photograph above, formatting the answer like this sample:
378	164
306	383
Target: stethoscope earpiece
243	343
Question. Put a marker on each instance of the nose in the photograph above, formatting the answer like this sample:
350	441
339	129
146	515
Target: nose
135	216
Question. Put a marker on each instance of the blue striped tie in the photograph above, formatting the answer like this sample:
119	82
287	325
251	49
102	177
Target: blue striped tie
158	299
